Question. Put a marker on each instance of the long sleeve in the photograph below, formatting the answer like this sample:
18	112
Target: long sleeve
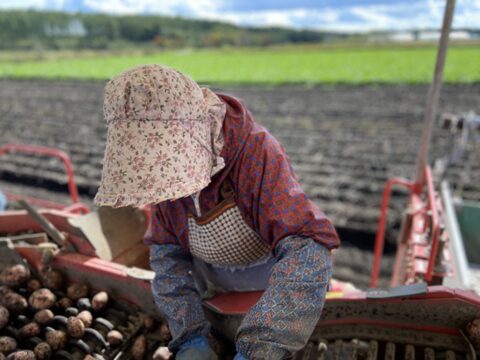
175	293
285	316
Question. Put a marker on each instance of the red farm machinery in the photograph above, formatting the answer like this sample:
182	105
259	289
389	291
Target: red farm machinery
426	313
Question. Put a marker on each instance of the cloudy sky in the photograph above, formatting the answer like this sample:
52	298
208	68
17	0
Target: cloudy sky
339	15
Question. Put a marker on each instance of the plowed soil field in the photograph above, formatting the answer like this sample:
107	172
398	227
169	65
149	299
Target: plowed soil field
344	142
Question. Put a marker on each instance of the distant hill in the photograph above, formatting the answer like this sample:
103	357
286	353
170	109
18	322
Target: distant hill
59	30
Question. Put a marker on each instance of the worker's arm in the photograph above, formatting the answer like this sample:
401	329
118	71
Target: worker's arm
175	293
274	205
285	316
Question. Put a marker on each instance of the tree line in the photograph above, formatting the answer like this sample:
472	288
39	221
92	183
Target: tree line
35	30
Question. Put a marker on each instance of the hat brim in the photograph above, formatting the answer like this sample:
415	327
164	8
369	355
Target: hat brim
148	162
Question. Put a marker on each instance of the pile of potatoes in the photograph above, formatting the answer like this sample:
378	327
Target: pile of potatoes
38	302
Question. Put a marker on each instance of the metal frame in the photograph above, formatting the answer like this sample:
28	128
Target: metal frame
76	206
419	245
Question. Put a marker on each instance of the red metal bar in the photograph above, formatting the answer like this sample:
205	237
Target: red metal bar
77	208
43	150
47	204
435	227
380	237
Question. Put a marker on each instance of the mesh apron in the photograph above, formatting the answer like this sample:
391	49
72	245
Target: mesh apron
222	237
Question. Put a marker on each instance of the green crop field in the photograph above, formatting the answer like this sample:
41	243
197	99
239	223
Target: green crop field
291	64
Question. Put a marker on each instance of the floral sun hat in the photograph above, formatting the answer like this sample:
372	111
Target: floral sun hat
164	137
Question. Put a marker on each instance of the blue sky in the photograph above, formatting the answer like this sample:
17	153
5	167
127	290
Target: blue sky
339	15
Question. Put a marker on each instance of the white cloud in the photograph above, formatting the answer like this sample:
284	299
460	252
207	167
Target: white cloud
288	17
389	15
197	8
372	15
22	4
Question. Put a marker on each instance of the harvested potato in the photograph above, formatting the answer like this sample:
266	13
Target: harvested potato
139	348
149	323
44	317
75	327
65	302
473	332
165	335
71	311
89	357
7	345
30	330
52	279
4	316
84	304
56	339
42	299
162	353
15	276
99	301
77	291
42	351
114	338
13	302
22	355
4	290
86	317
33	285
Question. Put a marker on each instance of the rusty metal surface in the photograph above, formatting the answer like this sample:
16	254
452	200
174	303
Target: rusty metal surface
431	311
374	350
395	335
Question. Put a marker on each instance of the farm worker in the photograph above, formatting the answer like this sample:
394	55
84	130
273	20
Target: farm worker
228	212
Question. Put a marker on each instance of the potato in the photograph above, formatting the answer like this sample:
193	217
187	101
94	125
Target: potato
114	338
149	323
56	339
7	345
89	357
139	348
33	285
42	299
75	327
99	301
52	279
65	302
15	276
473	332
4	316
162	353
165	335
84	304
14	303
44	317
4	290
77	291
71	311
86	317
42	351
30	330
22	355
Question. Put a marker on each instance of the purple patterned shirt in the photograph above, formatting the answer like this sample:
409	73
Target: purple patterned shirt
267	191
272	203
